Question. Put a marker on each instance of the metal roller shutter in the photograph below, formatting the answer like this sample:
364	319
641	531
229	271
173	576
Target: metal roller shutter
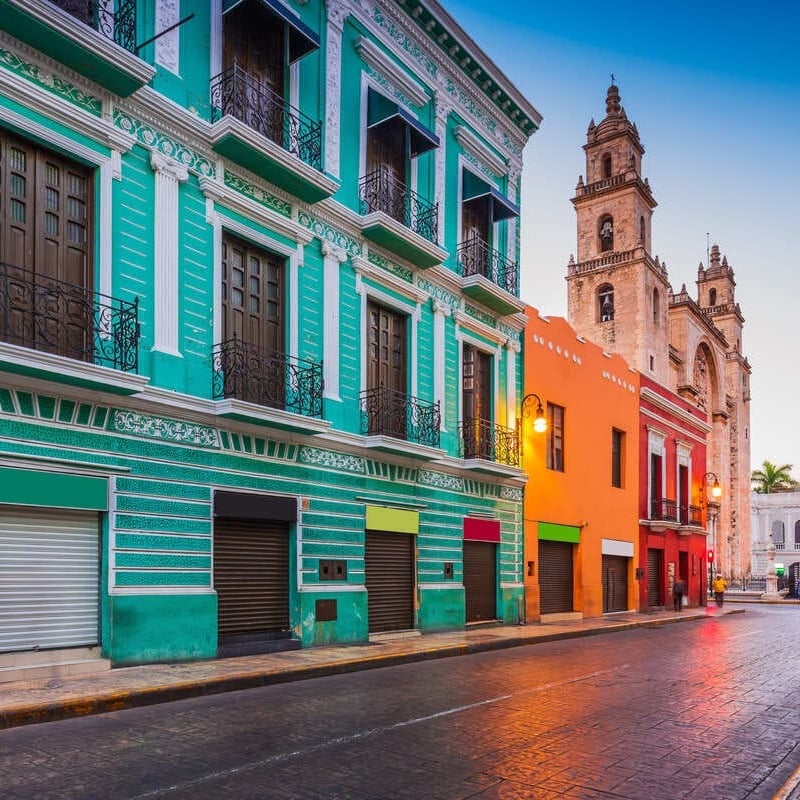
480	580
615	583
389	560
251	577
555	577
655	566
49	579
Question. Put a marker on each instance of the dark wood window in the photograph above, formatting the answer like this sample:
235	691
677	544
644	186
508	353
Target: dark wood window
656	486
252	295
46	210
476	384
683	493
617	457
555	437
386	348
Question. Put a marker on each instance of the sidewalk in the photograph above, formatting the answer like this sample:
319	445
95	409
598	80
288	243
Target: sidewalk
59	697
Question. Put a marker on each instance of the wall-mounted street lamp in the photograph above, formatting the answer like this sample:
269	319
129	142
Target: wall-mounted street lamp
539	419
716	489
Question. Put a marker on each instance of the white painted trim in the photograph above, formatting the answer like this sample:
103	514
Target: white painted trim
255	236
168	45
616	547
330	587
440	313
382	63
469	142
463	320
215	37
105	234
387	279
511	386
295	262
333	257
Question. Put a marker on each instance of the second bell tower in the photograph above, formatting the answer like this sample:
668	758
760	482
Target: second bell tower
617	293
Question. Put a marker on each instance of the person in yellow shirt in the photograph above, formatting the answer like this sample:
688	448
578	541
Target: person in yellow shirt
718	586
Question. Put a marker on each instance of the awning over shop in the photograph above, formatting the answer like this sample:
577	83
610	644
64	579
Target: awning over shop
475	188
302	40
383	111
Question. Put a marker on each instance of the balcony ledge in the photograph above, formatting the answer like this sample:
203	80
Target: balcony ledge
389	444
480	288
493	468
386	231
270	417
60	369
237	141
56	33
660	525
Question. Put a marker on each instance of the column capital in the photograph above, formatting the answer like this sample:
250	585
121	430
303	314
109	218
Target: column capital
168	167
330	249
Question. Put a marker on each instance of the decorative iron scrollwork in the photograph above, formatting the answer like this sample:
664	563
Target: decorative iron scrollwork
481	438
475	257
387	412
116	21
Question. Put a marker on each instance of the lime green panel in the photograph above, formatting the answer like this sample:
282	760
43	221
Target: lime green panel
29	487
149	628
397	520
559	533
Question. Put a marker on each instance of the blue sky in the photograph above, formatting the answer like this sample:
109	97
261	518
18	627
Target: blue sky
715	94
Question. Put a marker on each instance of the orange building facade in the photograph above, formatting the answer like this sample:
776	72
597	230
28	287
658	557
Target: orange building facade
581	500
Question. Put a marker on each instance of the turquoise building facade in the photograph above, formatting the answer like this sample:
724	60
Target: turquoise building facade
260	326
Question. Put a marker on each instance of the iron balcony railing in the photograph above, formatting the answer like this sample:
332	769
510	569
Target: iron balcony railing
692	515
114	20
387	412
266	378
475	257
664	510
381	191
56	317
237	93
483	439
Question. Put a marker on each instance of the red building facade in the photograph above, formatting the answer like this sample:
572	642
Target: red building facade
674	497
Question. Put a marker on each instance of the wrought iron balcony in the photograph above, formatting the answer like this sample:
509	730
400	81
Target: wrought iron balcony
483	439
692	515
387	412
114	20
61	318
244	372
238	94
664	510
381	191
475	257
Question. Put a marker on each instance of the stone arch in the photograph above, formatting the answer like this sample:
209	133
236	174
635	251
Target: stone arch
605	303
706	379
605	230
778	531
797	535
607	165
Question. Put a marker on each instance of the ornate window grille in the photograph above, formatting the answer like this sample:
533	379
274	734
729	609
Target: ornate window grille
267	378
56	317
114	20
238	94
387	412
381	191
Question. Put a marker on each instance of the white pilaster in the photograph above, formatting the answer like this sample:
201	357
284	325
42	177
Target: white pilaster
333	90
440	313
442	112
168	44
169	175
512	350
333	257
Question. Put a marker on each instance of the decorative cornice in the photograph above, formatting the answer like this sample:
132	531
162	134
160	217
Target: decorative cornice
325	231
171	430
475	147
673	408
383	64
477	326
388	279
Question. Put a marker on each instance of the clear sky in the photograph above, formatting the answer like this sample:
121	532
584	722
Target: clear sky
714	89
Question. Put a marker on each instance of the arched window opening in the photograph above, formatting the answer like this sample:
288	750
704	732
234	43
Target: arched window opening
606	234
605	302
641	229
712	297
778	532
607	166
797	535
656	309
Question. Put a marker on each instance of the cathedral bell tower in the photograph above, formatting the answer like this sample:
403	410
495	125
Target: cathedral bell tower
617	293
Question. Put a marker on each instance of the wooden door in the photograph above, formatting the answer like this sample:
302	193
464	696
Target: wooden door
255	41
386	371
476	403
475	230
386	162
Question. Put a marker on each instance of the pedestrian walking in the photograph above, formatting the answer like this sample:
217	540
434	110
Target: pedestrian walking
678	591
718	586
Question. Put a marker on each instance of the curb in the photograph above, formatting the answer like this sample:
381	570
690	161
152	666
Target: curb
120	700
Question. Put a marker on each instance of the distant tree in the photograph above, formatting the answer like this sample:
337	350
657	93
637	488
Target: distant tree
772	478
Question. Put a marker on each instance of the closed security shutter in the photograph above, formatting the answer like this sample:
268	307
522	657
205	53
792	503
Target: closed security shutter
389	561
615	583
555	577
480	580
251	577
655	566
49	578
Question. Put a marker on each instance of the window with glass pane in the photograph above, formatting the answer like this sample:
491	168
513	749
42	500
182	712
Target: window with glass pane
555	437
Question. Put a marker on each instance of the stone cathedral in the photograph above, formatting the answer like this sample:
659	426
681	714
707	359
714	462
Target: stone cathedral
620	296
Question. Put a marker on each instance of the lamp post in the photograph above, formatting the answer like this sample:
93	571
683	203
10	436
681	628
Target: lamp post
716	493
539	419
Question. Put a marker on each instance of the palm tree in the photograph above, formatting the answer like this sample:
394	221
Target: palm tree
771	478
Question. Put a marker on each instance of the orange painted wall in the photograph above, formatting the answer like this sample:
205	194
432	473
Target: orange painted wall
599	392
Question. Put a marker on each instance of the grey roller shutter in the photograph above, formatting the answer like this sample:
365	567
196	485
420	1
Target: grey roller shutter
555	577
615	583
480	580
389	561
251	578
49	579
